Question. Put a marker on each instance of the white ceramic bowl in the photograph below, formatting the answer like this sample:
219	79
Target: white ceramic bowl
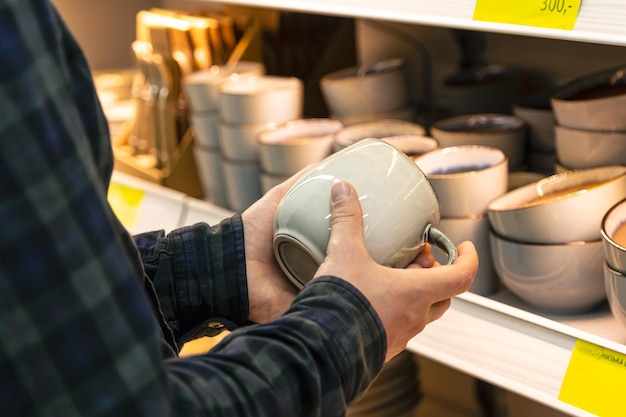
476	230
595	101
560	208
615	246
261	99
536	110
366	89
201	86
505	132
238	142
615	285
383	128
578	148
466	178
288	148
561	278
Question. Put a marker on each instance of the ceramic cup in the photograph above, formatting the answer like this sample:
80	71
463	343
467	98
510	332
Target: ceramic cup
502	131
400	210
615	287
466	178
290	147
613	231
261	99
476	230
201	86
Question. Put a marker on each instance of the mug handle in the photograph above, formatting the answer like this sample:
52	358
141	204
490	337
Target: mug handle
436	237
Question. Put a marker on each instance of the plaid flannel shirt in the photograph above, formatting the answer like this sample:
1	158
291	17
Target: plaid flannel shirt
90	318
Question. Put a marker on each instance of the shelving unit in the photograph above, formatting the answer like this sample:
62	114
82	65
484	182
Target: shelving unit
497	339
599	21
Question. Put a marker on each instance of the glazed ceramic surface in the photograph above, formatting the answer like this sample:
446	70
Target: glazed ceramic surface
595	101
562	279
288	148
614	252
384	128
399	207
573	211
465	178
476	230
238	142
502	131
261	99
580	149
366	89
201	86
615	284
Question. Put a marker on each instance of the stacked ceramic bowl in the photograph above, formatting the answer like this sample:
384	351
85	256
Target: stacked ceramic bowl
246	107
491	88
368	92
407	137
290	147
614	243
201	94
466	178
546	238
591	120
502	131
536	110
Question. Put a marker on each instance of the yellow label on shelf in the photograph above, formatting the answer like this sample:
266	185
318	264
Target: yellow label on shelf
556	14
125	202
595	380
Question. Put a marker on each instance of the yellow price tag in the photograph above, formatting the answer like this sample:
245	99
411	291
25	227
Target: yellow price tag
125	201
595	380
556	14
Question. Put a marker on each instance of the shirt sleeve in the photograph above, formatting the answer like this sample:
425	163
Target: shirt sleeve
198	273
78	333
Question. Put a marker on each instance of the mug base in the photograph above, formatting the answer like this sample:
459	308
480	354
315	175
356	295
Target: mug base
295	259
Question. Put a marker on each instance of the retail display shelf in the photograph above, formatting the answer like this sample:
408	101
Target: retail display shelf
496	338
599	21
501	340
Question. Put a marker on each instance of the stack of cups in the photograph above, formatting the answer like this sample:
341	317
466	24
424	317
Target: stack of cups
246	107
535	109
466	178
201	93
290	147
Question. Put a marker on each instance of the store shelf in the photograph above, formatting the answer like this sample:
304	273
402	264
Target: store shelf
498	339
502	341
599	21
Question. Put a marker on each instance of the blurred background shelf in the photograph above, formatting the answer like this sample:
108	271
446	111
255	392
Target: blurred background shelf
599	21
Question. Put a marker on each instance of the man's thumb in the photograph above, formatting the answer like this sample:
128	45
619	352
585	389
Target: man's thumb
346	214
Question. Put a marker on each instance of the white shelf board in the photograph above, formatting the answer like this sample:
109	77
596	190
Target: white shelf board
515	348
599	21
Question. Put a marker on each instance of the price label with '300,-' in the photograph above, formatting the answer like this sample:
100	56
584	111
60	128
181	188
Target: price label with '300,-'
555	14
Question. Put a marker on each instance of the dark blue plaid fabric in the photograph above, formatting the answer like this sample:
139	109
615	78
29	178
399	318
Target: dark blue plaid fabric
88	323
